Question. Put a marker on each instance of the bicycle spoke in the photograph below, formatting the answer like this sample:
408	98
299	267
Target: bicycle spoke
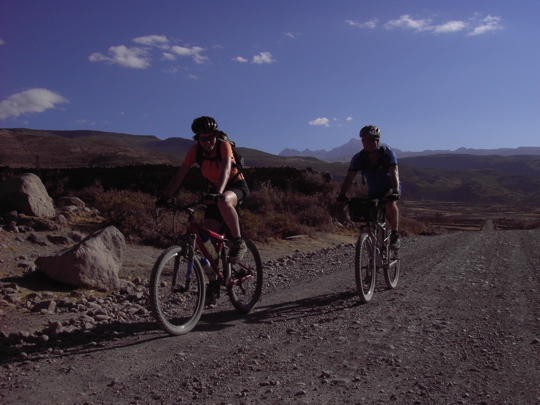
245	284
177	292
365	273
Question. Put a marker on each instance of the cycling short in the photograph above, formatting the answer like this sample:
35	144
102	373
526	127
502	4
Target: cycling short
240	188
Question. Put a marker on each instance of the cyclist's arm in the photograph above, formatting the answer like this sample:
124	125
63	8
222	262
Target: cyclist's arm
225	174
394	176
347	182
176	181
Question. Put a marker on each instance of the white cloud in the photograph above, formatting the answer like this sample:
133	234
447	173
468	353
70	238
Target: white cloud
372	24
240	59
290	35
2	41
486	25
349	118
29	101
194	52
263	57
405	21
136	58
320	122
161	41
168	56
478	26
84	123
450	26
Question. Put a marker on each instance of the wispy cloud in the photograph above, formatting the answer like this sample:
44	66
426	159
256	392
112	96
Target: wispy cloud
371	24
260	59
193	52
134	57
323	121
450	26
475	26
2	41
240	59
405	21
140	57
486	25
29	101
160	41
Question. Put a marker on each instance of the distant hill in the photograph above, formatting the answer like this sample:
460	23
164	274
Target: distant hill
456	176
66	149
345	152
528	165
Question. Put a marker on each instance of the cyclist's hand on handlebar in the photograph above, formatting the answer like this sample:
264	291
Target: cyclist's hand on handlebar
164	202
342	198
212	198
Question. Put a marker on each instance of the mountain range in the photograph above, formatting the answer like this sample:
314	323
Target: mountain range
64	149
345	152
466	175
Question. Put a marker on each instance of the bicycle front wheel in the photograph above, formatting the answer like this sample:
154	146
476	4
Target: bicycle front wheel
391	270
177	292
364	268
245	279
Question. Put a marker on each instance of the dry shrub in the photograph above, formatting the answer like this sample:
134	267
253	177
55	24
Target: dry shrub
130	211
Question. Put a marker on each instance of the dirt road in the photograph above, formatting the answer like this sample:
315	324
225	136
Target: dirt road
463	327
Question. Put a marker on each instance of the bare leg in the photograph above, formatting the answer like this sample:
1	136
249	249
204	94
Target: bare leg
228	211
392	214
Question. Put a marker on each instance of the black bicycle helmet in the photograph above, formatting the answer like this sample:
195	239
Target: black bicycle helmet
204	125
370	130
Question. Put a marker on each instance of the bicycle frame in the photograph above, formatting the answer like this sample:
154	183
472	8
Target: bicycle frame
379	237
193	236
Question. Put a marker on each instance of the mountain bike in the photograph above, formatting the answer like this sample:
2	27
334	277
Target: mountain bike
373	252
179	286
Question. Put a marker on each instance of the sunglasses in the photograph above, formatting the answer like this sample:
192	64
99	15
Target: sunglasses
208	139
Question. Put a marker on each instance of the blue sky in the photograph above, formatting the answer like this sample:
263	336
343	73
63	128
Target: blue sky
277	74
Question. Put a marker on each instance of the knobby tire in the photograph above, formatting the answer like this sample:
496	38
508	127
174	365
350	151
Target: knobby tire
391	270
177	308
245	279
364	268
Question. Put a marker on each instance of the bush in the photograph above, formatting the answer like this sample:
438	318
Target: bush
129	211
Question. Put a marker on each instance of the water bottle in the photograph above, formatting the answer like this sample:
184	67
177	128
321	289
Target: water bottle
207	268
209	247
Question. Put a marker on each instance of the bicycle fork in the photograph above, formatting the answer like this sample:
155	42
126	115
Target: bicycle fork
190	246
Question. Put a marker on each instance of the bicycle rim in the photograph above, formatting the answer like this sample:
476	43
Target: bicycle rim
177	300
364	268
391	271
244	285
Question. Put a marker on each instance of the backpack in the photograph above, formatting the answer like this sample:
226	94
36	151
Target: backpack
222	137
380	160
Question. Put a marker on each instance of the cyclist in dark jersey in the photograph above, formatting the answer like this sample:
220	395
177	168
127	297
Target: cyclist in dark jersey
379	167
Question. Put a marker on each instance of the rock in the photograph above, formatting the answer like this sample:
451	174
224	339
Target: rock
37	239
49	305
28	195
70	201
93	263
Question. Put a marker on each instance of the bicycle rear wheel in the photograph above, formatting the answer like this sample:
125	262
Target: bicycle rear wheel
244	280
364	268
176	292
391	270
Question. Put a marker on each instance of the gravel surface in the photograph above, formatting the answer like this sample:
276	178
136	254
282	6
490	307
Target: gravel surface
463	327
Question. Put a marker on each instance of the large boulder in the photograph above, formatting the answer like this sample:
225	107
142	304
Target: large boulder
95	262
28	195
